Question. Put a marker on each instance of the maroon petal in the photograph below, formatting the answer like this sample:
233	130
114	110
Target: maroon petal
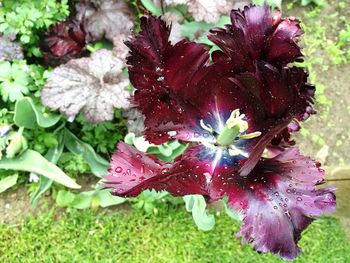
279	200
283	47
257	33
133	171
163	76
284	98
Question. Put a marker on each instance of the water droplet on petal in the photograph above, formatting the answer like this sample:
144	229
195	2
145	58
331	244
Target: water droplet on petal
164	170
138	155
275	207
118	169
276	194
143	168
299	199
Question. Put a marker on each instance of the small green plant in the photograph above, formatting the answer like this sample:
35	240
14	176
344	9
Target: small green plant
28	18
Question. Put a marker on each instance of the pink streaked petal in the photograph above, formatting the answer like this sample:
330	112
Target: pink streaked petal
279	200
133	171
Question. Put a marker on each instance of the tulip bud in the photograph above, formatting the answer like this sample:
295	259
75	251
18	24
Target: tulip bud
16	144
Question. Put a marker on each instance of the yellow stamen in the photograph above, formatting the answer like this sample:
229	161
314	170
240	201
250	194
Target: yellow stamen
236	119
233	152
250	135
206	127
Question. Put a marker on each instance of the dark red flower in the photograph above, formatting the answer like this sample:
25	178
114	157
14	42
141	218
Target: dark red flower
229	115
278	198
177	90
64	41
258	34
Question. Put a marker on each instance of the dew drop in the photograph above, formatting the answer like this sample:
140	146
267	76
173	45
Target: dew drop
276	194
289	191
275	207
299	199
138	155
164	170
118	169
143	168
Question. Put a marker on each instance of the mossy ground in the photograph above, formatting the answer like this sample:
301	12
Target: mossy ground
170	236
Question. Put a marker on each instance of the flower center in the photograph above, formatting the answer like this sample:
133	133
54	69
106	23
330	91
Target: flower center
234	130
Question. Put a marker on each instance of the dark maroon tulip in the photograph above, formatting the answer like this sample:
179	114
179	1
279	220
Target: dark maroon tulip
229	116
257	33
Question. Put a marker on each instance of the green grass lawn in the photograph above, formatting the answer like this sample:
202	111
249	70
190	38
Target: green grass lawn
170	236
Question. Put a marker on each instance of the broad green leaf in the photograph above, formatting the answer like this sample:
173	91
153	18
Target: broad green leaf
83	200
191	29
88	199
45	183
5	70
196	204
29	115
165	149
231	213
150	6
34	162
107	199
8	182
64	198
139	142
97	164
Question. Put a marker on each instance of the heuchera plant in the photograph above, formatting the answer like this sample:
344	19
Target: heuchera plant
64	41
237	111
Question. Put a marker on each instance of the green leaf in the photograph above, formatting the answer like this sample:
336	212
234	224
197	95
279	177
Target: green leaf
88	199
107	199
272	3
150	6
317	2
196	204
34	162
64	198
97	164
233	214
5	70
191	29
8	182
83	200
29	115
45	183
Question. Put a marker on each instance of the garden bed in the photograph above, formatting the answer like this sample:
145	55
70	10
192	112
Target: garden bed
42	218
